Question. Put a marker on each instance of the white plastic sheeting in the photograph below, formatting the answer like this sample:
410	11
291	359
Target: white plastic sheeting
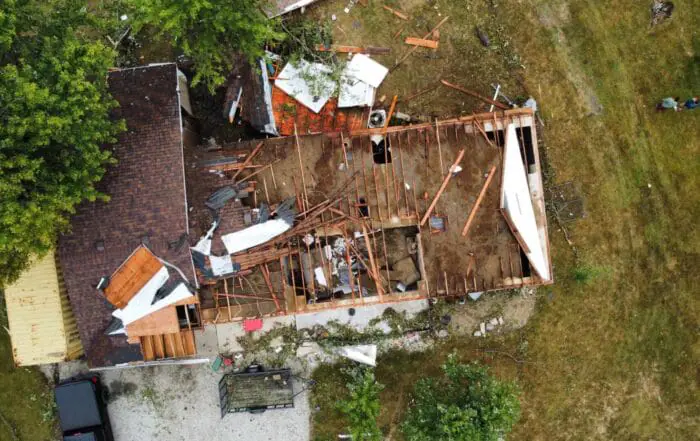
270	127
254	235
320	276
312	86
366	70
355	93
366	354
312	94
204	244
140	305
221	265
516	204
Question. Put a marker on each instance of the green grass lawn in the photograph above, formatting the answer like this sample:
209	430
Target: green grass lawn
26	401
614	355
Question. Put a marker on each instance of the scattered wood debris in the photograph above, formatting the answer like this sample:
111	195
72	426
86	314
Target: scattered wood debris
442	187
413	49
372	50
399	14
475	208
420	42
474	94
420	92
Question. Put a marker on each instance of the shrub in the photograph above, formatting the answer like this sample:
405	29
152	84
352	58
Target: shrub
466	404
362	406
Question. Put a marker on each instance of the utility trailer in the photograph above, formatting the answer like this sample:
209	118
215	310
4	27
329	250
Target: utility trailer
255	390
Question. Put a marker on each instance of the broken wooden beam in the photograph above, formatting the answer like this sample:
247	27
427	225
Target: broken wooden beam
301	167
371	50
399	14
421	42
390	114
266	275
414	48
475	95
442	188
260	170
249	159
475	208
420	92
372	262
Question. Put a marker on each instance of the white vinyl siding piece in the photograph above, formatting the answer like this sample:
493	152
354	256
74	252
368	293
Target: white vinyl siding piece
517	205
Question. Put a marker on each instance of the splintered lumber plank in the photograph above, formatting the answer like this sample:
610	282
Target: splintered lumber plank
420	42
266	275
475	95
372	50
414	48
399	14
147	348
375	270
301	167
475	208
188	342
248	160
442	188
169	346
158	347
178	348
260	170
163	321
131	276
420	92
391	112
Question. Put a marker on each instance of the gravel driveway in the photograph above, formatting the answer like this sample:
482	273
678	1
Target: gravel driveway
182	403
173	403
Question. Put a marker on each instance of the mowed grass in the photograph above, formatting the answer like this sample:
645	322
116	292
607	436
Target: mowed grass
615	355
26	401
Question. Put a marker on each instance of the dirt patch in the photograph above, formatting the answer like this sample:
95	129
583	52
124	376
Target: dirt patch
119	388
516	307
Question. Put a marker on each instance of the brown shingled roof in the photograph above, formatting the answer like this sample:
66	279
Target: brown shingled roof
147	204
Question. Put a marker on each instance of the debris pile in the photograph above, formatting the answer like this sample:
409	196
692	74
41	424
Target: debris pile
490	326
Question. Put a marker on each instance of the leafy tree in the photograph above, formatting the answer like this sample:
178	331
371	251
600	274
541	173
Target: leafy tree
467	404
209	31
362	407
54	120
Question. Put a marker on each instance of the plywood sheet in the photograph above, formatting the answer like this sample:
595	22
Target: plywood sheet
131	276
163	321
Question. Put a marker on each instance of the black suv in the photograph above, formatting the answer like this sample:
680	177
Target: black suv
82	410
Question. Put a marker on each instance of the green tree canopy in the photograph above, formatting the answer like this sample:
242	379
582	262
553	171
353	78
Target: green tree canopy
54	120
210	32
466	404
362	406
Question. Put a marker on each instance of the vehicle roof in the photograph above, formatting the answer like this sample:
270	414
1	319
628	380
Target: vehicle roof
77	406
81	437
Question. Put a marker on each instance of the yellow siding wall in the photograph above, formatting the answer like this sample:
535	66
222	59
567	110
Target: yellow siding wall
74	348
42	327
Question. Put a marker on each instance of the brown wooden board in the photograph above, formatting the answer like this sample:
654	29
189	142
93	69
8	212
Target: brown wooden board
131	276
413	41
163	321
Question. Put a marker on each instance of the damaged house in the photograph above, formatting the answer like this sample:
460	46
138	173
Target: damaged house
342	210
126	262
436	210
274	103
338	210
